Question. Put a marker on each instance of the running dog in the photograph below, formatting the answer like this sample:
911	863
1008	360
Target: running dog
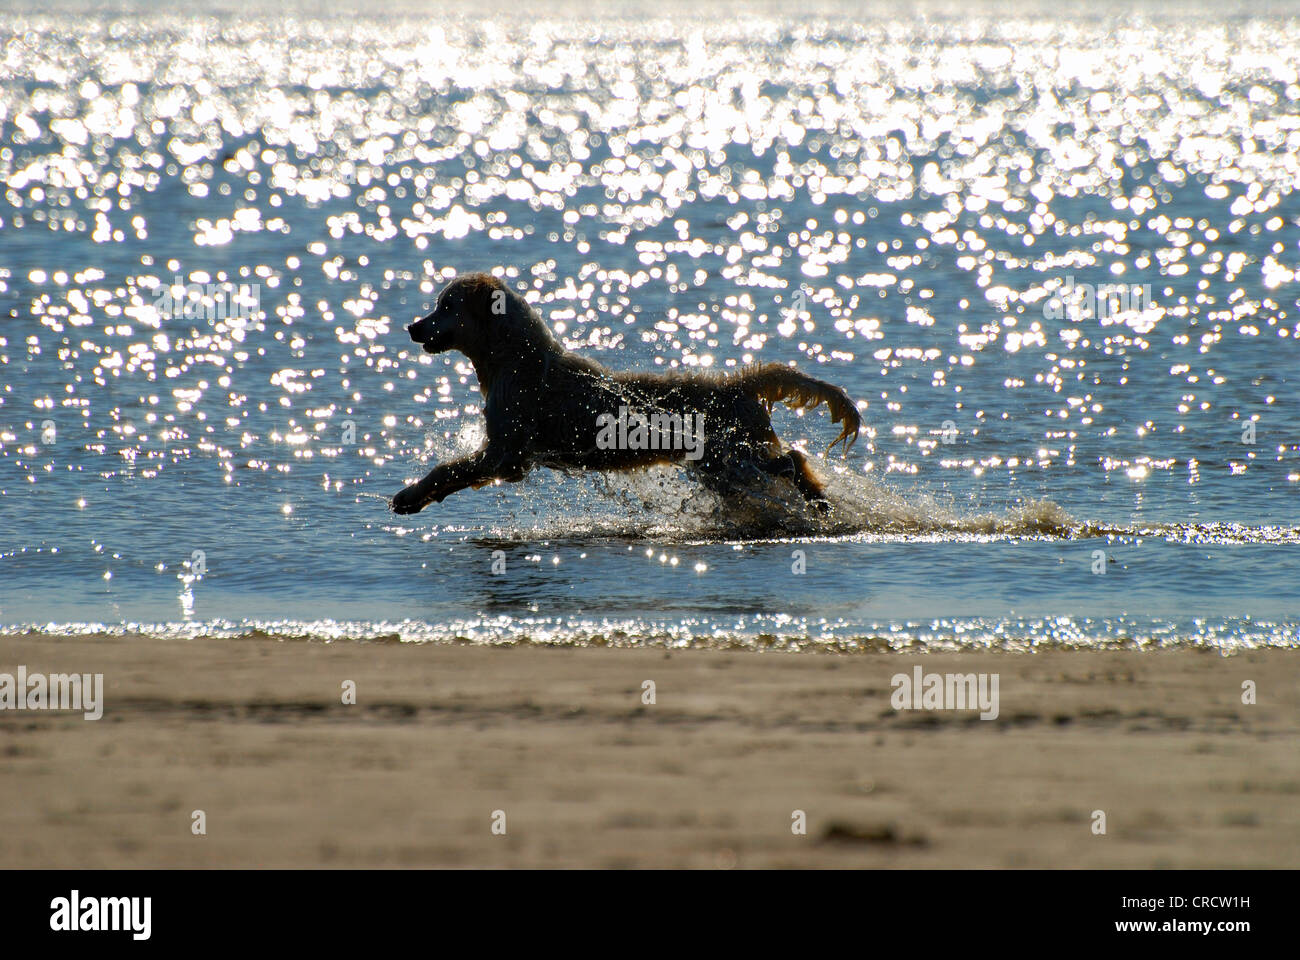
548	407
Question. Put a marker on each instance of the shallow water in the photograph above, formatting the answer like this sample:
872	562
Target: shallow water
893	201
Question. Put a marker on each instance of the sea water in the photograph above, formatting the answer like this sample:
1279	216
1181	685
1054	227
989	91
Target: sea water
1053	257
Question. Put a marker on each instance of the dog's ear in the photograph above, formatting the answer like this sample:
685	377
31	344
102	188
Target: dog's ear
497	314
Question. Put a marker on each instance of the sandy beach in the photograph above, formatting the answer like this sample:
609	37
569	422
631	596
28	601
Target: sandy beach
254	733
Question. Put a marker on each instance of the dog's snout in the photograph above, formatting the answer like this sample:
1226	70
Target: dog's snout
427	332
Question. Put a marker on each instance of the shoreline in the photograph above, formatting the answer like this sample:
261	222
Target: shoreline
254	733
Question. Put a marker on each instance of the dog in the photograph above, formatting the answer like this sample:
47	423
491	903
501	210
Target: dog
548	407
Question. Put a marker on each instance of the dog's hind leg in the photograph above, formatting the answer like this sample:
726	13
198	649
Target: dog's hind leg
794	466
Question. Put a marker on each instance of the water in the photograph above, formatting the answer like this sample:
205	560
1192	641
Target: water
890	198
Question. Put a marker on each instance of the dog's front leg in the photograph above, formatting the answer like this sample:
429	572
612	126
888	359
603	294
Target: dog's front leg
448	478
440	482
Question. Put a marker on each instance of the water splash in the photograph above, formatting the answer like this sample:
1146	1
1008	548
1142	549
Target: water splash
665	504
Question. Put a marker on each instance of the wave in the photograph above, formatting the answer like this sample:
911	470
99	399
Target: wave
1223	635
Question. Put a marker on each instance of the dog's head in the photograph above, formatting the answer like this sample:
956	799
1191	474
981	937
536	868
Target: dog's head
472	313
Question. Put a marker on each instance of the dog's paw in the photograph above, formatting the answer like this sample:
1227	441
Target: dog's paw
407	500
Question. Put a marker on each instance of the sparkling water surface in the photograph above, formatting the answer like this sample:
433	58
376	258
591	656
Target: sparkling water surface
911	202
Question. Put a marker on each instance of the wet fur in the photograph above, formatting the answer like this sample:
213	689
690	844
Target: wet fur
542	403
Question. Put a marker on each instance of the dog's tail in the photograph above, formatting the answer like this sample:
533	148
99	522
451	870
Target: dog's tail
770	382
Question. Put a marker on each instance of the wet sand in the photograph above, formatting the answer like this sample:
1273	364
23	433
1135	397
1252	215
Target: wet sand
253	733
